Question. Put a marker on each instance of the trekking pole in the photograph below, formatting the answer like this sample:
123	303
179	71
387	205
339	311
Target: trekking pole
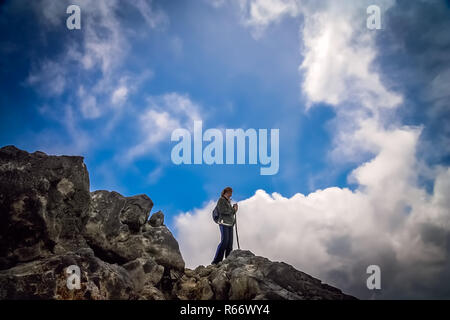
237	235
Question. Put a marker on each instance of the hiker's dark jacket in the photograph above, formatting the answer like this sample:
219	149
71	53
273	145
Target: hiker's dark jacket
226	212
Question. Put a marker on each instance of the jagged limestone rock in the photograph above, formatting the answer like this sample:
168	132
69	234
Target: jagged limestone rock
43	203
47	214
47	279
244	276
157	219
118	231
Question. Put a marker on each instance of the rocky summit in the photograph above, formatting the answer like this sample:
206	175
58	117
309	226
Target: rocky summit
50	222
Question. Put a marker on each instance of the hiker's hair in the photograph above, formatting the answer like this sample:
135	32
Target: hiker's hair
227	189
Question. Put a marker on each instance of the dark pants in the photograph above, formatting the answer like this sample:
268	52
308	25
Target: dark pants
226	243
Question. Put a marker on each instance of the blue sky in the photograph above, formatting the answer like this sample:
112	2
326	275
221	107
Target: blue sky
349	102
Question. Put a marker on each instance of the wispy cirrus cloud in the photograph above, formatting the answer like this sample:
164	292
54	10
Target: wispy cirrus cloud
390	219
164	114
90	71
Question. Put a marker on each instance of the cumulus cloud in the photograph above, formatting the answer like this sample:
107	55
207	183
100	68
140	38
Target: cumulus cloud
102	52
88	105
389	219
101	46
153	18
336	233
339	54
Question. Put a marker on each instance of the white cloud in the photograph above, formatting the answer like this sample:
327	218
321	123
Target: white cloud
99	55
339	49
339	55
89	70
119	95
156	127
88	104
154	18
52	12
259	14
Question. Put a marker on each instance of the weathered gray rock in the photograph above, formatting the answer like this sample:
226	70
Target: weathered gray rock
49	220
47	279
244	276
157	219
118	231
43	203
113	225
47	214
162	246
144	272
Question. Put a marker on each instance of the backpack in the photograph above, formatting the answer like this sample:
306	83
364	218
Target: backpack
215	215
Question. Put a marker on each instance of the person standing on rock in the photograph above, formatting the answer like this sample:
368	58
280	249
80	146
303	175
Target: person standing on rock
226	222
